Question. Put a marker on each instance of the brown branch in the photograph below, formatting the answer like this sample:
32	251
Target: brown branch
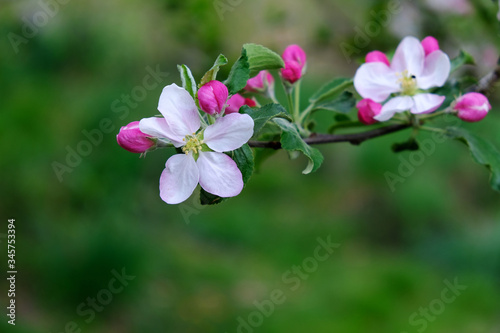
354	138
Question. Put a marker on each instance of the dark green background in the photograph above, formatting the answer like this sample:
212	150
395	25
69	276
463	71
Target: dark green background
198	269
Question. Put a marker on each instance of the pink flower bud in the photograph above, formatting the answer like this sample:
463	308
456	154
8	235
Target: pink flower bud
292	72
212	97
472	107
377	56
235	103
367	109
295	64
132	139
260	83
251	102
430	44
294	53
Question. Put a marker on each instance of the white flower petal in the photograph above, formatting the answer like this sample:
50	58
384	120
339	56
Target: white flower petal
436	70
158	128
375	80
393	106
229	132
179	179
409	56
219	174
426	103
179	110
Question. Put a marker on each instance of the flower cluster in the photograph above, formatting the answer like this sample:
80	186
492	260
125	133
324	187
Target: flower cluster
405	83
206	122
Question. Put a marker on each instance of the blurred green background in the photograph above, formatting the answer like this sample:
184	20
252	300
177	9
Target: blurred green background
200	269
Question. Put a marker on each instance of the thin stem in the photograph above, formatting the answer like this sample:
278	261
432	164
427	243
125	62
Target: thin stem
433	129
296	113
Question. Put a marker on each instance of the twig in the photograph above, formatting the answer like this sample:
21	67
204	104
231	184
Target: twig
354	138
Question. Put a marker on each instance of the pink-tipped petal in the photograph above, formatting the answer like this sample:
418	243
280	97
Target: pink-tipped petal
158	128
377	56
212	97
472	107
367	109
234	104
393	106
179	178
179	110
229	132
426	103
219	174
376	81
430	44
409	56
436	71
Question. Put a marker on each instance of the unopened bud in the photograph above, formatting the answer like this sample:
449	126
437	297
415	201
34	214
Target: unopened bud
132	139
377	56
212	97
472	107
430	44
367	109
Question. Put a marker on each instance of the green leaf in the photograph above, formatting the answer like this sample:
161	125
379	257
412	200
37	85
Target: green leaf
239	74
410	145
264	114
207	199
261	58
291	141
330	90
483	152
245	161
212	73
188	81
342	104
463	58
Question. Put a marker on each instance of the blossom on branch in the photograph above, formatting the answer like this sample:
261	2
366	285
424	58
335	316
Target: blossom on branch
203	160
403	84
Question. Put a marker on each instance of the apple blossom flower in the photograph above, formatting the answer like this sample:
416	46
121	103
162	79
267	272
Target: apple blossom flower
367	109
472	107
132	139
295	64
236	102
212	97
203	161
403	84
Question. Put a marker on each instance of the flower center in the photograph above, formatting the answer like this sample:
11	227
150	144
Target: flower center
193	144
408	83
